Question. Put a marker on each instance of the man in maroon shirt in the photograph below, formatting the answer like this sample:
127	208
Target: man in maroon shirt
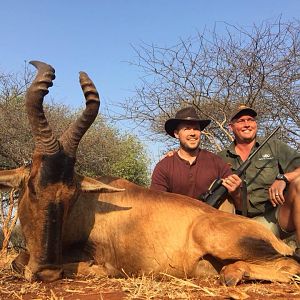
191	170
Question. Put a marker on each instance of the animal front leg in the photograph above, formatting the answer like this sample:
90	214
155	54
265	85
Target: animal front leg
279	270
232	274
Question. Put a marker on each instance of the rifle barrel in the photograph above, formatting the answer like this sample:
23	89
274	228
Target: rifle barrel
262	144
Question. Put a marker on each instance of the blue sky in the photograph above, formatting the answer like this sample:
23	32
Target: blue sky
97	37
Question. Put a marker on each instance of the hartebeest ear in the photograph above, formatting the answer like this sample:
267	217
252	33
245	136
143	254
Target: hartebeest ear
87	184
12	178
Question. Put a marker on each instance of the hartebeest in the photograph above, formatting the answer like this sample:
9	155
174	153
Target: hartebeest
73	223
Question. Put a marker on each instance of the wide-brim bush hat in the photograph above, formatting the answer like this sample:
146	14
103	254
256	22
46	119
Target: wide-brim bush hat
185	114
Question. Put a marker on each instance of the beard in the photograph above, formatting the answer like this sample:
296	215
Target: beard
190	148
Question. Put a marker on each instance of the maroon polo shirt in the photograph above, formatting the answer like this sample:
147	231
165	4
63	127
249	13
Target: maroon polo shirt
176	175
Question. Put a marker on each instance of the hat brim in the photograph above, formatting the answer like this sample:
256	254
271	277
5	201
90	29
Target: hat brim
172	124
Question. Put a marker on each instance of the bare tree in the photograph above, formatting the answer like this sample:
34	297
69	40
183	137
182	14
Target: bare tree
13	118
8	218
258	66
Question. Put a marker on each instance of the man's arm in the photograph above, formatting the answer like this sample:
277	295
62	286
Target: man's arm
292	175
289	161
276	191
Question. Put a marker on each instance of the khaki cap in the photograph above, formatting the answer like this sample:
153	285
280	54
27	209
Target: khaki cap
243	109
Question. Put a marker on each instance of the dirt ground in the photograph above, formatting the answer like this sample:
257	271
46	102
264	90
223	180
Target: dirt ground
13	286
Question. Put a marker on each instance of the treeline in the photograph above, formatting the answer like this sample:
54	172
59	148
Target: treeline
104	150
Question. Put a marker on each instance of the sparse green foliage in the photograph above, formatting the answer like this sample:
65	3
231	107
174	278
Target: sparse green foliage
133	162
105	151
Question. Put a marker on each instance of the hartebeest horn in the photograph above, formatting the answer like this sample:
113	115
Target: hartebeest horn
71	138
45	142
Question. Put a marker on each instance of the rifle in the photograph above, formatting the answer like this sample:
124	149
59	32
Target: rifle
217	191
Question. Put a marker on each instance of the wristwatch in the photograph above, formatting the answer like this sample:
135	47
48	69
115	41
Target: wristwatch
282	177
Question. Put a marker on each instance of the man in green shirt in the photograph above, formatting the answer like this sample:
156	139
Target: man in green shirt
272	179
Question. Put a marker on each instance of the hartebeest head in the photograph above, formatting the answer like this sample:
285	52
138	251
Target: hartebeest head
49	186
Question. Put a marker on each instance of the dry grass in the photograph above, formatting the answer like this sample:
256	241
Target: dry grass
13	286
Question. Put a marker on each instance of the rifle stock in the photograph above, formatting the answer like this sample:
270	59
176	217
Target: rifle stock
217	192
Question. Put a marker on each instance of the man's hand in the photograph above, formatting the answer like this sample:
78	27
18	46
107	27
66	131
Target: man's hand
276	192
232	183
169	154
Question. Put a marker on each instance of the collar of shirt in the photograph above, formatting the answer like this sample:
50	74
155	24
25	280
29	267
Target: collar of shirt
194	161
231	149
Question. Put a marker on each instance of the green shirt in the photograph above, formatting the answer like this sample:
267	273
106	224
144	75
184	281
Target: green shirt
274	157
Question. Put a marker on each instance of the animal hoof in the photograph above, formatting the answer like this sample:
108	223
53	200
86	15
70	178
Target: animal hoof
91	262
19	263
229	280
297	252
